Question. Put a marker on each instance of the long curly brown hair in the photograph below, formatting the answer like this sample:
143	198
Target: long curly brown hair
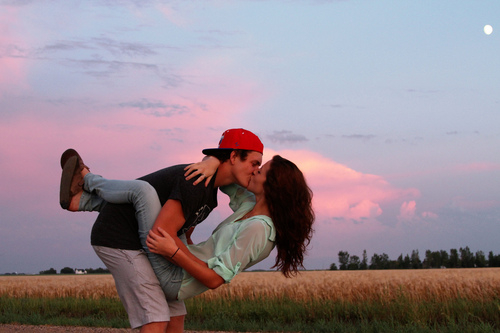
290	204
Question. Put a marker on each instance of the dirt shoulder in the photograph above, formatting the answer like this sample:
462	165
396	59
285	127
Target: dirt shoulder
9	328
60	329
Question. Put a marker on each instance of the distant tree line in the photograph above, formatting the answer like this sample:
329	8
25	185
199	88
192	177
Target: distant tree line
69	270
462	258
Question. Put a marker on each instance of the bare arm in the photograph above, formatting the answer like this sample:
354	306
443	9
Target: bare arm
171	219
162	243
204	169
189	241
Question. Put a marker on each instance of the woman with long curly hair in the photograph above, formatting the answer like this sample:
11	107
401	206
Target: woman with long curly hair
274	211
289	200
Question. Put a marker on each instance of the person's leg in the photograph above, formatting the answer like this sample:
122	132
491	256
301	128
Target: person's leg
137	286
86	202
177	313
155	328
137	192
176	324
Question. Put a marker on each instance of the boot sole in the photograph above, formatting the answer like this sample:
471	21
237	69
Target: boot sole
66	178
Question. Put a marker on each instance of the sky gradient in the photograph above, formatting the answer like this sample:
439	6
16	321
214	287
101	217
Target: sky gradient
390	108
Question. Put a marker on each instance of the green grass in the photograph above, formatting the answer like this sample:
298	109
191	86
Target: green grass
63	312
328	316
271	315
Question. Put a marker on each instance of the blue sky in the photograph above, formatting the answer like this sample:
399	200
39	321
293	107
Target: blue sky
391	109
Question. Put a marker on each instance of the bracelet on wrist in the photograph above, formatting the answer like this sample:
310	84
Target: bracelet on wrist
175	253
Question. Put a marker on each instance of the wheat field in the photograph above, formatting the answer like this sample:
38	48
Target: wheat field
346	286
58	286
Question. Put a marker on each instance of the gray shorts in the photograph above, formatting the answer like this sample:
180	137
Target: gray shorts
138	287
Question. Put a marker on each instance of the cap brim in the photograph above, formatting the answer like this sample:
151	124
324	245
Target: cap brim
211	151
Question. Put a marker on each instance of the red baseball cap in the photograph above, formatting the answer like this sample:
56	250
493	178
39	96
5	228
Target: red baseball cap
237	138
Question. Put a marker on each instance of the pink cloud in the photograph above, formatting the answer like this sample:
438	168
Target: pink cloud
364	209
407	210
408	215
343	193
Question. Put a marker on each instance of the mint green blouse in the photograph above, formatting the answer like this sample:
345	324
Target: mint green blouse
235	244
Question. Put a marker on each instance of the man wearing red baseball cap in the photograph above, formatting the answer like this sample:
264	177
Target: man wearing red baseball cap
119	242
237	138
240	153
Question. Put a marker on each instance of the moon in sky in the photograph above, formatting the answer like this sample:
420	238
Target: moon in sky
488	29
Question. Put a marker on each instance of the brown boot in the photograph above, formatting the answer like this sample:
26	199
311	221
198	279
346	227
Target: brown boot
68	153
71	177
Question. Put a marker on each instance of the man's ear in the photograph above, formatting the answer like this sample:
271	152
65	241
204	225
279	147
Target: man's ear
233	157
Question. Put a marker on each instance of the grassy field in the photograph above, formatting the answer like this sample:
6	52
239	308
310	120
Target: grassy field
445	300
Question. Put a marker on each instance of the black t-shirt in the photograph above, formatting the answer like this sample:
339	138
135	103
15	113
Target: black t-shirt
116	225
